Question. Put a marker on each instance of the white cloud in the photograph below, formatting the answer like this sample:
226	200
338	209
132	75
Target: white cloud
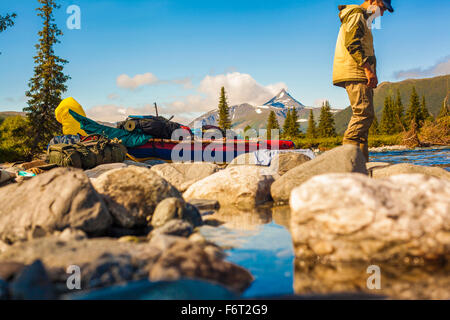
240	88
442	67
126	82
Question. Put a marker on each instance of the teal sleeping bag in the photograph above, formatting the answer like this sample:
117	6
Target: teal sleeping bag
129	139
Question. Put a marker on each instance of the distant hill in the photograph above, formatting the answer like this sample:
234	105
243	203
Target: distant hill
434	90
6	114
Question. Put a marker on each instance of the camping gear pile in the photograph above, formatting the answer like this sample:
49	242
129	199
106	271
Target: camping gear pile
88	153
87	144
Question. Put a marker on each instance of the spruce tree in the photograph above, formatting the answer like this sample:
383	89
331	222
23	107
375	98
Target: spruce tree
286	124
272	123
294	126
326	127
6	21
414	111
399	114
424	114
224	111
311	131
48	82
374	129
388	123
444	112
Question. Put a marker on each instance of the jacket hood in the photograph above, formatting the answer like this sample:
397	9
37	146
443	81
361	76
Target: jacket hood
345	10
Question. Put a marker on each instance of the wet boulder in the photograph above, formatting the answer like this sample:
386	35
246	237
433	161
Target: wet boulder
175	208
96	172
240	186
286	161
406	168
132	194
183	175
347	158
348	217
193	260
53	201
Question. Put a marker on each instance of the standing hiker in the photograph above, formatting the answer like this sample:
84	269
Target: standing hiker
355	67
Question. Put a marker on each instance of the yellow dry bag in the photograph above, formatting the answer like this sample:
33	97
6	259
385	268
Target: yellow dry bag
69	124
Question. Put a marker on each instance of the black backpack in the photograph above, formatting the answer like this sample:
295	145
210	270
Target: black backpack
157	127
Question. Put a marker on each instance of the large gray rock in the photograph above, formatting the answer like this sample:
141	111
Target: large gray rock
186	259
406	168
133	193
105	261
59	199
347	158
284	162
175	208
99	170
177	227
241	186
348	217
102	261
183	175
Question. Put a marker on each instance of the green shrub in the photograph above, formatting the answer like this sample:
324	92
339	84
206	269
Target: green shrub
384	140
14	139
320	143
330	143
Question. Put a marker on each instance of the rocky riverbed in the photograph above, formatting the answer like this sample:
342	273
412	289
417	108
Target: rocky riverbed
197	227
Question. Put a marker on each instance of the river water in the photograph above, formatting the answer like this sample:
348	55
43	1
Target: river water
260	241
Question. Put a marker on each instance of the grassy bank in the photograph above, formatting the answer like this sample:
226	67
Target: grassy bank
329	143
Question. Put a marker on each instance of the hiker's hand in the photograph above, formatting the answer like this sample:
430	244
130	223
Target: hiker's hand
372	79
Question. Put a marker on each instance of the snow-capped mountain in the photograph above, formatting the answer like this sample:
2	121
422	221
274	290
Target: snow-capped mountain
244	115
284	100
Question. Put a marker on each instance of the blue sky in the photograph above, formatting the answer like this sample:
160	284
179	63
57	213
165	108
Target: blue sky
183	51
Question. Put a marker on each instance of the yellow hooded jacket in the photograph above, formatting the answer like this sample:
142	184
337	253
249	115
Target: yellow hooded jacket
354	46
69	124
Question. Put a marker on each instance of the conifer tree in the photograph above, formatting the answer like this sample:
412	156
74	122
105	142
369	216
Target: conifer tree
7	21
287	123
399	114
224	111
424	114
48	82
374	129
326	127
272	123
294	126
444	112
414	111
311	132
388	122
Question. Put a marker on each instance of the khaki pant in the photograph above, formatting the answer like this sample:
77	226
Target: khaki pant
361	99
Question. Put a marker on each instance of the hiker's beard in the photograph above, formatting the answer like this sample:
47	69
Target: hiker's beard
374	10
